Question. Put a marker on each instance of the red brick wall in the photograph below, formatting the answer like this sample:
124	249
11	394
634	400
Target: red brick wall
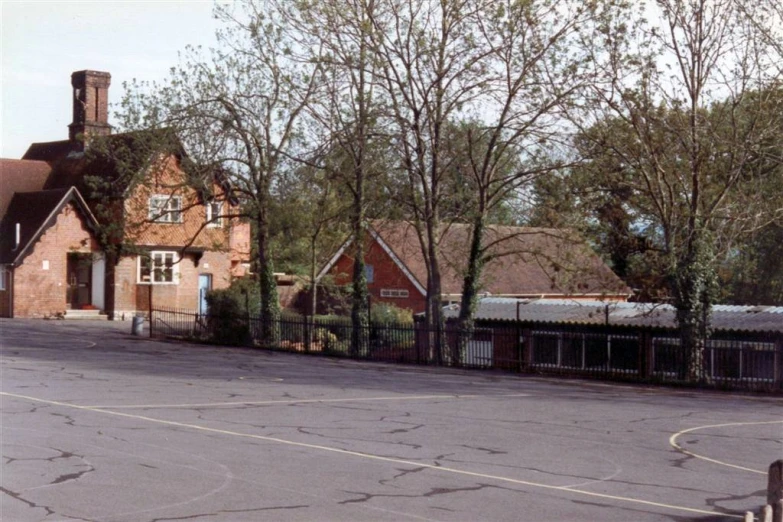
387	275
130	296
230	242
42	293
168	179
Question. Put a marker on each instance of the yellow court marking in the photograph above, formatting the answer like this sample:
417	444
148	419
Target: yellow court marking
369	456
303	401
673	443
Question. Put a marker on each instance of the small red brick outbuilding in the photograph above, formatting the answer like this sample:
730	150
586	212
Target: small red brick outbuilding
526	263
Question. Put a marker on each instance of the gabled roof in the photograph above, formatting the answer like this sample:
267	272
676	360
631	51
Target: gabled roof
35	212
568	311
527	262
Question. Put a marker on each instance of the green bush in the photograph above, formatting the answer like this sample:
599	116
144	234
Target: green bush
390	326
386	313
247	294
227	318
326	338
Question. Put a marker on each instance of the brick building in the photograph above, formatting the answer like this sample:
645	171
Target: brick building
65	211
527	263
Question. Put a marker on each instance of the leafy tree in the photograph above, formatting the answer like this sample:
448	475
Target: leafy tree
681	89
348	118
238	110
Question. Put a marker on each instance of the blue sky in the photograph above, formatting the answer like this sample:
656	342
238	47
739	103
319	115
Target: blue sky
44	42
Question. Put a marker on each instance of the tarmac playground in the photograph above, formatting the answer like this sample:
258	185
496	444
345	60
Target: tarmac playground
100	425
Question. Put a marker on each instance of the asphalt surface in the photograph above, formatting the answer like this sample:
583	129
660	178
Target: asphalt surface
99	425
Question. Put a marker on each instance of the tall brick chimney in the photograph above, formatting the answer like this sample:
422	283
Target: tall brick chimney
90	104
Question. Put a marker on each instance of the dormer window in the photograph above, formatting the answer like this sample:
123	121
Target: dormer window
165	209
214	214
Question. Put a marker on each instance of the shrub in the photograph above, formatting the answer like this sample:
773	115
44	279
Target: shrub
227	319
390	326
326	338
388	313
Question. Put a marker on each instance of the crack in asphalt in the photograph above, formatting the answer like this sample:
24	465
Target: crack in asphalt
19	497
366	497
229	511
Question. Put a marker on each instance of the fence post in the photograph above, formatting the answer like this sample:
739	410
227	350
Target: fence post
645	354
777	363
526	355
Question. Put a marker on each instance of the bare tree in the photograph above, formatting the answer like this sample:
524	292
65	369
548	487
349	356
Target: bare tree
348	119
431	66
535	69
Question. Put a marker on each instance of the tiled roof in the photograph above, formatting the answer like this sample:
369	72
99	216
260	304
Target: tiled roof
51	151
70	165
527	262
723	317
20	176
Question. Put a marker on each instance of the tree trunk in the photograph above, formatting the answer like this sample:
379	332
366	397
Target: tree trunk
470	288
434	313
270	303
694	283
310	317
360	310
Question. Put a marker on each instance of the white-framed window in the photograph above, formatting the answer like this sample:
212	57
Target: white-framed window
399	293
165	209
159	268
3	273
214	214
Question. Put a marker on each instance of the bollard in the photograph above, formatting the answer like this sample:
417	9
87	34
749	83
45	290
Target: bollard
137	327
775	489
766	514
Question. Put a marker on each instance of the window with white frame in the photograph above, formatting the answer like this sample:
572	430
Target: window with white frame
159	268
165	209
398	293
214	214
3	273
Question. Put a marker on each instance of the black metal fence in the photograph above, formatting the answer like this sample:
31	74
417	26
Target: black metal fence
738	360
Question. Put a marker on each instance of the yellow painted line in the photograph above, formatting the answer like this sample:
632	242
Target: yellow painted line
673	443
369	456
304	401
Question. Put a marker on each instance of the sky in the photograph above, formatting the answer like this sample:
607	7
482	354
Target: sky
43	42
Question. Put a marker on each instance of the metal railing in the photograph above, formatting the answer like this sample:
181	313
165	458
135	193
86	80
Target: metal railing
746	361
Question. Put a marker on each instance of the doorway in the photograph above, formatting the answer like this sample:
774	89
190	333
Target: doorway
204	286
79	272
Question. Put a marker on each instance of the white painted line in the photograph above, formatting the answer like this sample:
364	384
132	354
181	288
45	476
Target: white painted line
369	456
301	401
673	443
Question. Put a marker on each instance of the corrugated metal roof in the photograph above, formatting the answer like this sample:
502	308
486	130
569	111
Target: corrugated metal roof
724	317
